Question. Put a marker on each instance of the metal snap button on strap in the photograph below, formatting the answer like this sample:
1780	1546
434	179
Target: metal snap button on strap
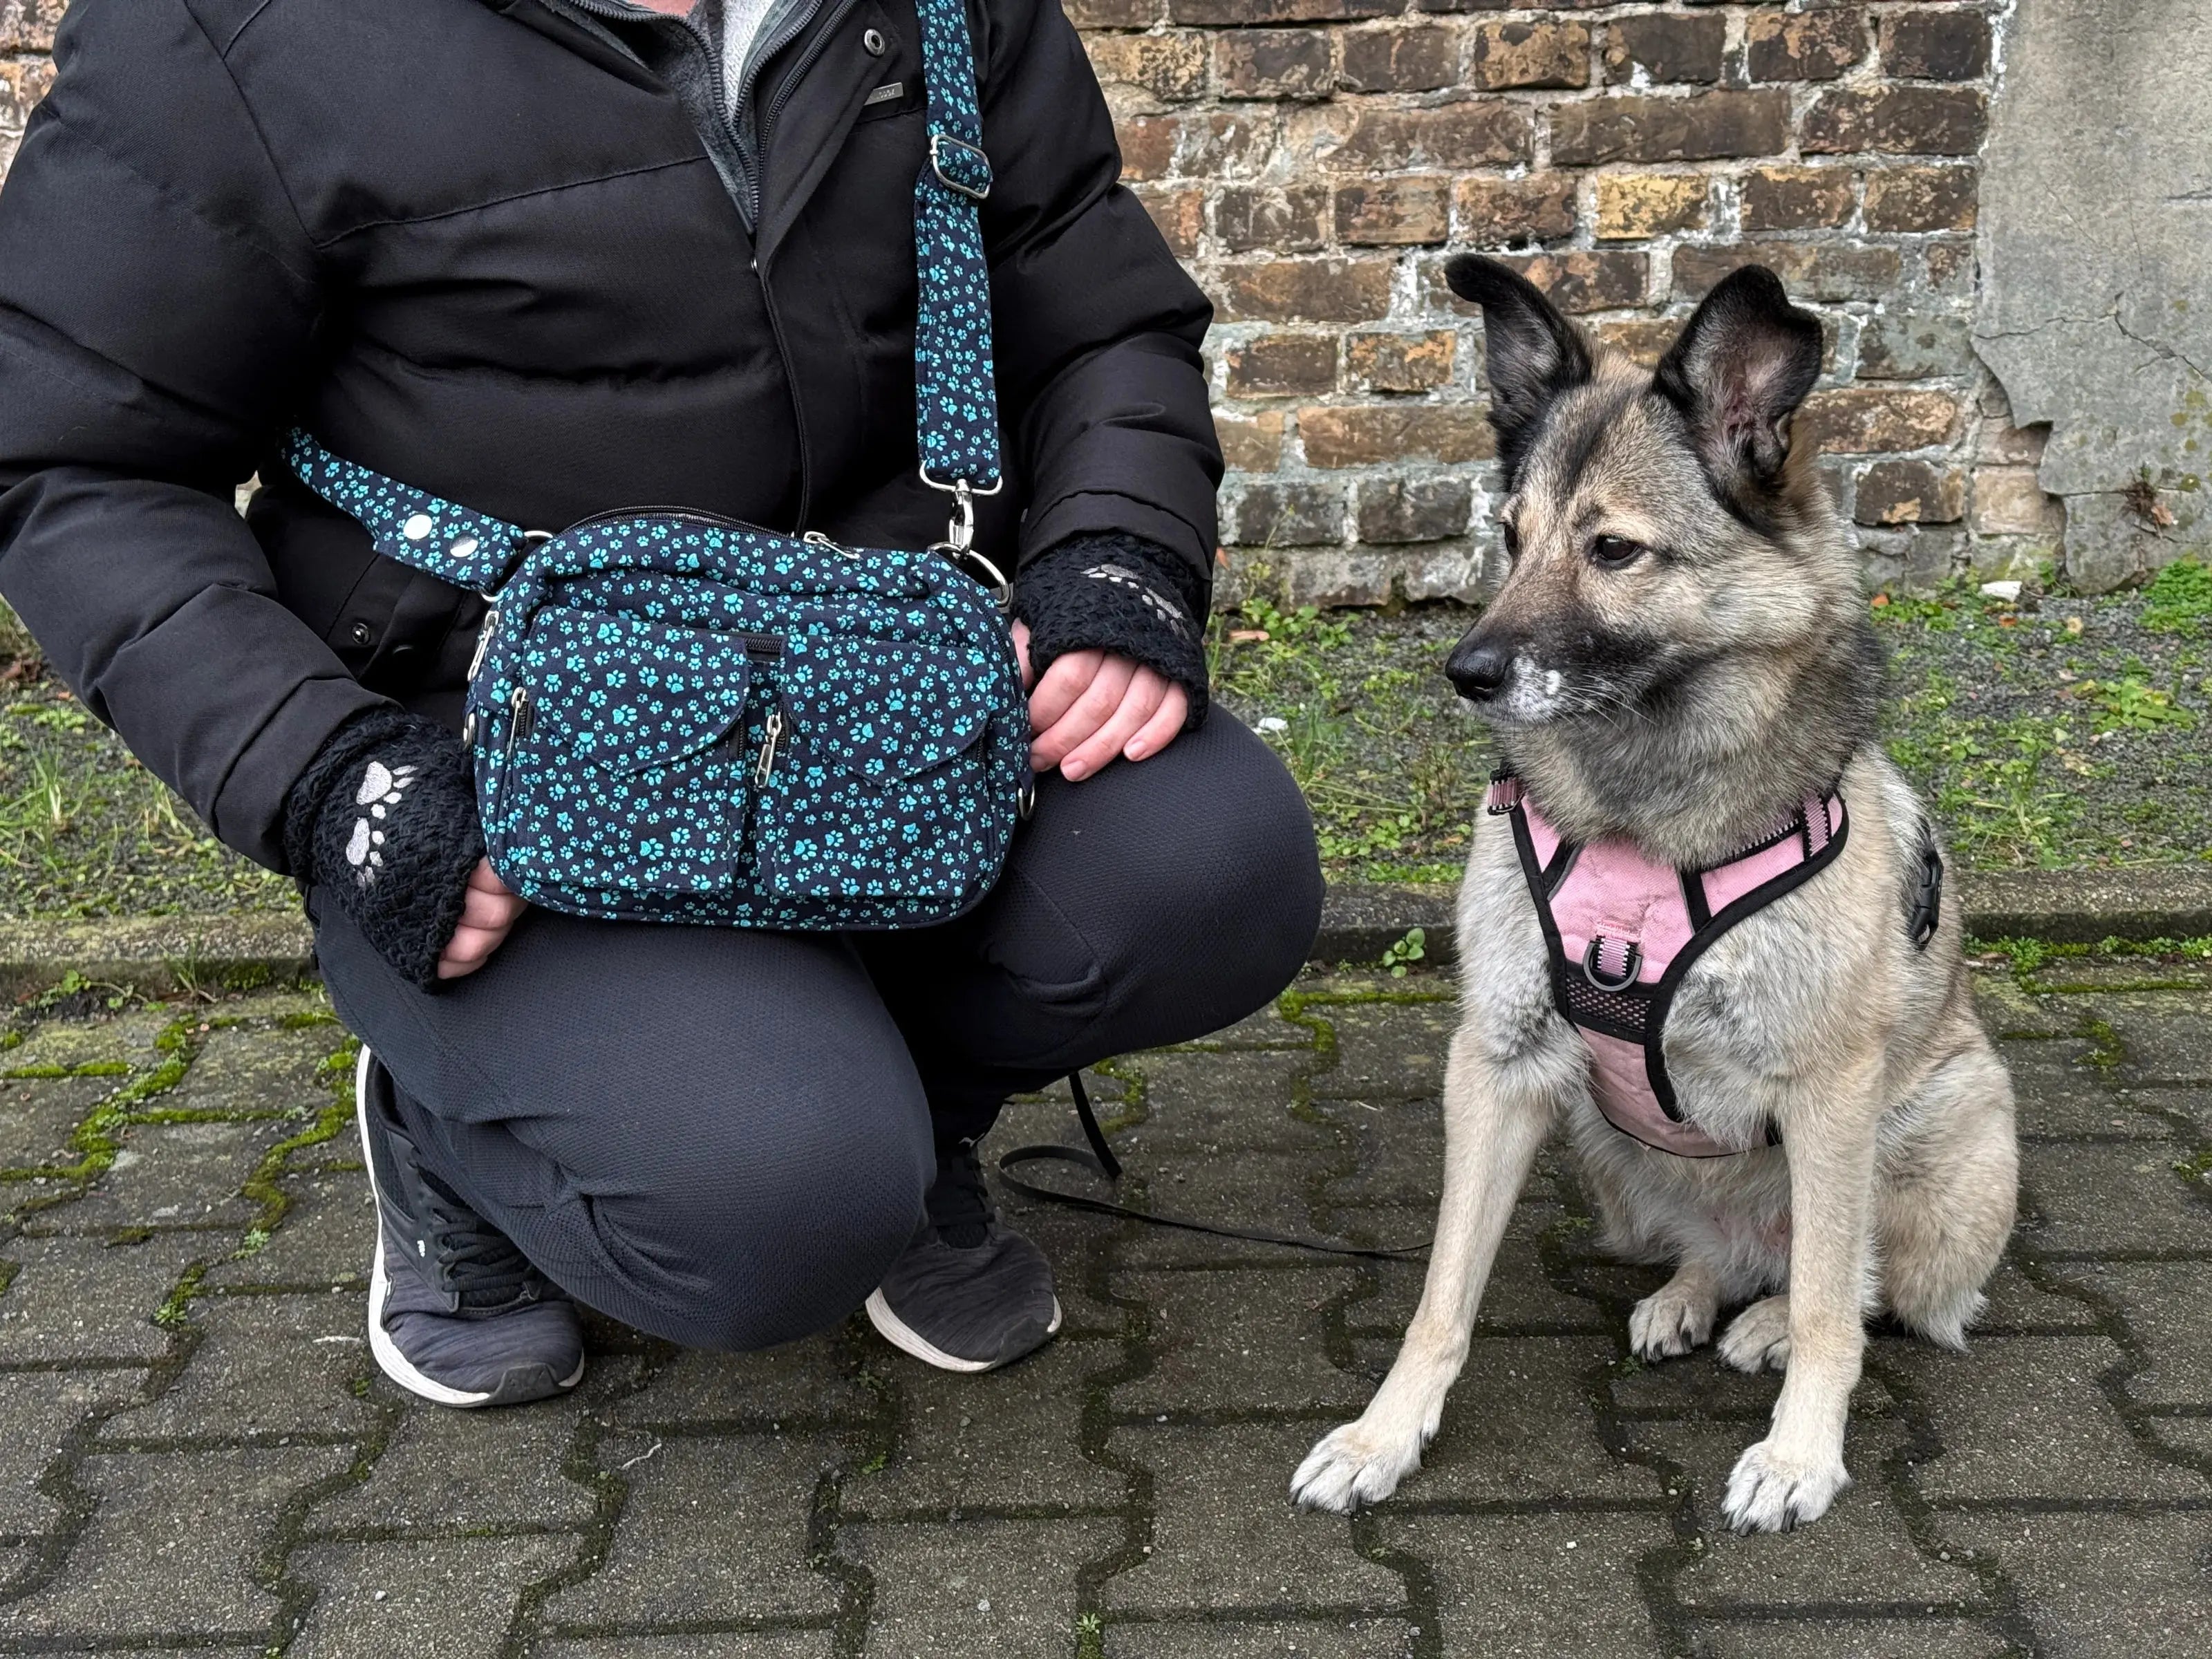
418	528
874	43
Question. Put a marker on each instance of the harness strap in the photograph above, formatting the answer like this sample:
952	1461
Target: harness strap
1101	1162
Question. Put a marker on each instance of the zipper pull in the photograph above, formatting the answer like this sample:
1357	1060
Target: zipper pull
766	765
484	640
816	538
522	718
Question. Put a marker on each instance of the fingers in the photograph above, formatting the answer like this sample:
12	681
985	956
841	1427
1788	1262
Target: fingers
1089	712
489	913
1165	726
1063	683
469	949
496	911
1022	654
1138	704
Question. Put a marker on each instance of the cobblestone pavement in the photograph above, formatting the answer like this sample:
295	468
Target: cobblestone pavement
197	1455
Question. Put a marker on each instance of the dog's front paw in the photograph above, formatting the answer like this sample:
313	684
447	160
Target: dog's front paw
1771	1491
1354	1465
1758	1338
1670	1320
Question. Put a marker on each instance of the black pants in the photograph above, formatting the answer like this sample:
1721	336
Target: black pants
723	1137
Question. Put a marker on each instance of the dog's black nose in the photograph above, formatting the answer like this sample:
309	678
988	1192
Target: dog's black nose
1477	668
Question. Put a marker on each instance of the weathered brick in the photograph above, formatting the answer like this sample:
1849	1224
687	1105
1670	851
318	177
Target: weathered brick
1865	420
1666	47
1293	220
1395	511
1233	12
1251	443
21	85
2001	440
1910	492
1399	363
1180	213
1111	14
1354	290
1926	45
1496	213
1393	212
1539	53
1420	58
1148	146
1921	198
1633	205
1950	267
1172	67
1796	198
28	24
1901	346
1810	270
1366	434
1703	127
1606	279
1272	365
1644	338
1898	120
1273	64
1235	141
1274	515
1803	45
2008	501
1468	135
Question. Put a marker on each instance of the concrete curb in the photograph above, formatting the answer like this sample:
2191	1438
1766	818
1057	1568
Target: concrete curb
2063	907
160	954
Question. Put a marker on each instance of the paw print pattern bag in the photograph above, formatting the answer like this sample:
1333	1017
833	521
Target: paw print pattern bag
680	718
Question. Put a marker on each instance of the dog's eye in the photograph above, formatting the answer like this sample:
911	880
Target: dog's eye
1613	551
1512	537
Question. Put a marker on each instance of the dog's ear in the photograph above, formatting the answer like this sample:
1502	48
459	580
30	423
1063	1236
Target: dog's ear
1743	364
1533	354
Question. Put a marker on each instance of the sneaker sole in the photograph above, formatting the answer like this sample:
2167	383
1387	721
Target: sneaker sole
907	1341
394	1363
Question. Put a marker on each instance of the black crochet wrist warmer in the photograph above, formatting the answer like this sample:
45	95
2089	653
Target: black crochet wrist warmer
1119	594
384	823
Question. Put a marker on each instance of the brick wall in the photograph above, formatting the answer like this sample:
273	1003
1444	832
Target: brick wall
1314	159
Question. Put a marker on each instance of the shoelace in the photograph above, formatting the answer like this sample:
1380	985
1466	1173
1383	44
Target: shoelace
482	1265
960	1204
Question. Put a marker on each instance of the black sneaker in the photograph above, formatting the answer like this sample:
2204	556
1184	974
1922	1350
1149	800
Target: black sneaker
969	1295
456	1314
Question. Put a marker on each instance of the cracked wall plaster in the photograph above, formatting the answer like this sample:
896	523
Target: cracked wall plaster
2096	300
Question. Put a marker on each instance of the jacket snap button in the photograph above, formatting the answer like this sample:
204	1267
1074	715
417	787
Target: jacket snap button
362	632
873	40
418	528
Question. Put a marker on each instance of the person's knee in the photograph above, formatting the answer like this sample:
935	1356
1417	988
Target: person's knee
769	1235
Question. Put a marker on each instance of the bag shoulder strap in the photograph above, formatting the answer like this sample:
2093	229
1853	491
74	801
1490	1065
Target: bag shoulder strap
956	405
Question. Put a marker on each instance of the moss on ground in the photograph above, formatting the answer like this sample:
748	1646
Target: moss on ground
2052	732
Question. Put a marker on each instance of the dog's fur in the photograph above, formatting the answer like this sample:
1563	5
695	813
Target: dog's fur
1686	695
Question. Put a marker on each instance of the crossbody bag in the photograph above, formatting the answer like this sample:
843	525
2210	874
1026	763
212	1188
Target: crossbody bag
677	717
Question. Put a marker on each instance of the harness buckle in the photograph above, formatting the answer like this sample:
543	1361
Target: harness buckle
970	172
1591	972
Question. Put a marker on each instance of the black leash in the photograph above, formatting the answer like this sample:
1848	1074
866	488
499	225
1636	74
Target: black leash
1101	1162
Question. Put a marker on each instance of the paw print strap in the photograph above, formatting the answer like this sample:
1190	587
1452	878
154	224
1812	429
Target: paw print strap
957	399
468	549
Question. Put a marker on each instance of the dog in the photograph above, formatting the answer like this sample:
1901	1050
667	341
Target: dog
1802	1111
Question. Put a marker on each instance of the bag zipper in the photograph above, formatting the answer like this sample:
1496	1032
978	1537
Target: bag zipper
774	735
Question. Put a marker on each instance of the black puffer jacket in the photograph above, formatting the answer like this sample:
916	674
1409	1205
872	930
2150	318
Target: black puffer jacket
475	246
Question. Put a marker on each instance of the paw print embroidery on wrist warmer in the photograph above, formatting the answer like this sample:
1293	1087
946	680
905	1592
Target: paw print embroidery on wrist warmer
1123	576
381	788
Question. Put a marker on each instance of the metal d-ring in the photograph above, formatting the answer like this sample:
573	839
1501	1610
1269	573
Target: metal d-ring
1628	973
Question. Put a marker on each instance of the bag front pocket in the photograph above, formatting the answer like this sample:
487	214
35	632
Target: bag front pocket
882	790
613	767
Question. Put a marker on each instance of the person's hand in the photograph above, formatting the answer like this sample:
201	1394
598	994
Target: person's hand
487	916
1090	708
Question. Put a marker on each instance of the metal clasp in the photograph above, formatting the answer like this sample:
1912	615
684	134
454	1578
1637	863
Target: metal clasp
963	154
1629	970
959	542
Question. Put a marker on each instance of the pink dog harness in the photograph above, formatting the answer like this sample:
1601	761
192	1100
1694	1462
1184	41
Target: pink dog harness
1623	929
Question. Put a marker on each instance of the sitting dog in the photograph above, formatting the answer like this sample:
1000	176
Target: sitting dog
1702	922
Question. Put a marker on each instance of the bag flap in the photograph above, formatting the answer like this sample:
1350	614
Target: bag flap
886	710
616	690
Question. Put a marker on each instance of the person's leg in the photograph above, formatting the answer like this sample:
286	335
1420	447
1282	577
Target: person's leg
713	1134
1148	905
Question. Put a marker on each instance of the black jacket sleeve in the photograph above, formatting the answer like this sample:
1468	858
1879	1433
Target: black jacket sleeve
158	300
1122	595
1096	328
